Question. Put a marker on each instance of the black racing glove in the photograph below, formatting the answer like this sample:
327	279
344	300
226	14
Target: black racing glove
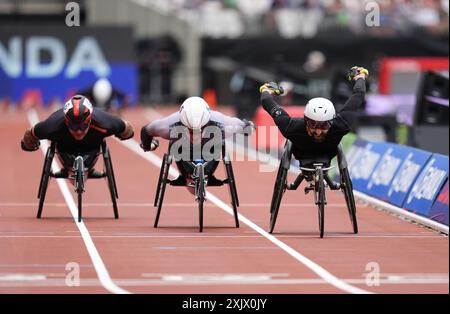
125	138
356	73
29	149
154	144
249	127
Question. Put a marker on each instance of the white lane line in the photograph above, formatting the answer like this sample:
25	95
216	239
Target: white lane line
320	271
298	205
58	266
308	236
97	261
198	248
20	280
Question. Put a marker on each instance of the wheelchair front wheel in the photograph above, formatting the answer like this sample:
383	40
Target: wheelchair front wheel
320	190
200	193
79	183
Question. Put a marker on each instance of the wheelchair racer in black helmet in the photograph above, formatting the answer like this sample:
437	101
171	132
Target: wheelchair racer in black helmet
77	129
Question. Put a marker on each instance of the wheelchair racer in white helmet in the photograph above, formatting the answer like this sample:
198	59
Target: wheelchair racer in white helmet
320	131
192	121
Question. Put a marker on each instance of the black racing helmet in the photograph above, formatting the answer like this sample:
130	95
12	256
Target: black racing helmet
78	113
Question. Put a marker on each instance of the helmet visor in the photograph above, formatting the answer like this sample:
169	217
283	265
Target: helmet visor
78	126
322	125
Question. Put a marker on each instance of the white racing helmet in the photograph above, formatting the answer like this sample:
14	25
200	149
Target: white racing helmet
319	113
102	91
195	113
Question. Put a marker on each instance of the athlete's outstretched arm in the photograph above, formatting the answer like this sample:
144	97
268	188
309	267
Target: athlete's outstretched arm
232	125
128	132
157	128
282	119
354	103
44	130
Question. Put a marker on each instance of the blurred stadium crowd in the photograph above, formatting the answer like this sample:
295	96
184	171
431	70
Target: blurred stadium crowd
307	18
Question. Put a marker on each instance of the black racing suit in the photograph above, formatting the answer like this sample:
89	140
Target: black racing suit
306	149
55	130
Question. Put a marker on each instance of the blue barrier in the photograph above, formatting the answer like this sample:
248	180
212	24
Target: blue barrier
439	210
355	150
364	162
407	174
406	177
386	170
427	186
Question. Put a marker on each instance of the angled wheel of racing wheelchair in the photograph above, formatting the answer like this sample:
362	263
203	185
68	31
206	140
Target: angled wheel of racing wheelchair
232	187
162	183
109	172
347	188
280	184
45	177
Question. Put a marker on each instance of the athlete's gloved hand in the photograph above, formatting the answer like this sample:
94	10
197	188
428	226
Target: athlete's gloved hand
356	73
123	137
30	148
152	147
273	88
128	133
249	127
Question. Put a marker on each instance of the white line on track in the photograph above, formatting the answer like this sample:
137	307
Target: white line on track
308	236
97	261
298	205
320	271
41	280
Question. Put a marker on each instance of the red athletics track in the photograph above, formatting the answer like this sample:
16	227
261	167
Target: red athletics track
175	258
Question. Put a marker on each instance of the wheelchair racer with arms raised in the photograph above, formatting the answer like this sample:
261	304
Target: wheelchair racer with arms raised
318	134
78	130
194	119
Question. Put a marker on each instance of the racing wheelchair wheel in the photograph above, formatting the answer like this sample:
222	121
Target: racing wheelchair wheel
232	186
200	192
79	183
45	177
280	185
320	201
162	183
347	187
111	178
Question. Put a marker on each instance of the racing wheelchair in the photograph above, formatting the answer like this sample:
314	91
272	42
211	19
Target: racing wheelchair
200	181
79	169
315	172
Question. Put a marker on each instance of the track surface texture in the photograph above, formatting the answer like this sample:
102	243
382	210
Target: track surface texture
130	256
